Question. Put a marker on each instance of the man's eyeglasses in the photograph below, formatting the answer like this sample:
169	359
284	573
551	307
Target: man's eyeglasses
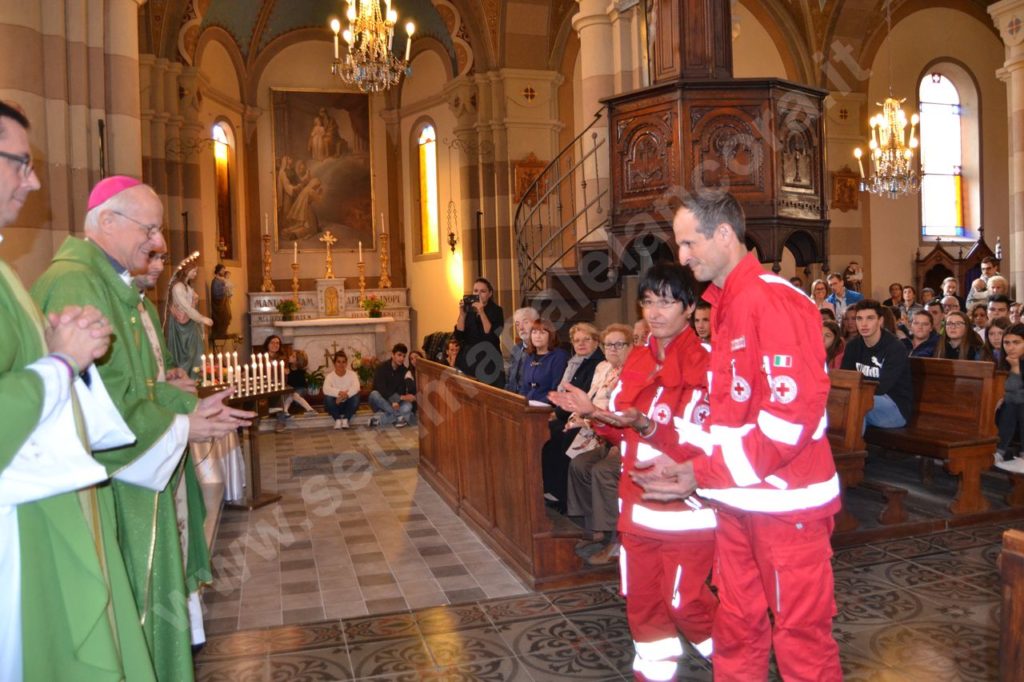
151	230
24	162
660	303
616	345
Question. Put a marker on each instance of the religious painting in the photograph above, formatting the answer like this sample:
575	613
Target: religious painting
845	189
526	171
322	168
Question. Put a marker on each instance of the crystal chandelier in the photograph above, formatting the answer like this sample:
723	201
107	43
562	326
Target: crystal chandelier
369	63
891	148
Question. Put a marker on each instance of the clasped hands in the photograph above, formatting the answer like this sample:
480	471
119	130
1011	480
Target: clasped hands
662	478
80	332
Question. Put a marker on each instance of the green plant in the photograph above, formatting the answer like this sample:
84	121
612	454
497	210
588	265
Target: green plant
372	304
287	307
315	379
364	367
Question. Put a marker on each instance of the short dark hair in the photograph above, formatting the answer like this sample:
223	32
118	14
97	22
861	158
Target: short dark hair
219	268
400	348
340	355
834	275
934	303
827	314
989	260
13	113
712	208
923	313
670	280
703	305
870	304
486	282
999	298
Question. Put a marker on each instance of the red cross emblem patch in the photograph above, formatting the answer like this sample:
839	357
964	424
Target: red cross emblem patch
784	388
739	389
662	414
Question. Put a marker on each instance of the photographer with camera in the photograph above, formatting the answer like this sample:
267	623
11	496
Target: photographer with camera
478	329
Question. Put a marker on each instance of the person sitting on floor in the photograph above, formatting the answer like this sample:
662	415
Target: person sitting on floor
959	342
341	392
410	381
922	340
878	355
545	364
390	401
272	347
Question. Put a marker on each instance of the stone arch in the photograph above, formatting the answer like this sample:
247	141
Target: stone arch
215	34
786	35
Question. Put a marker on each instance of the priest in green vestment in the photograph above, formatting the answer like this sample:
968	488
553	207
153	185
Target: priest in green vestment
67	611
122	227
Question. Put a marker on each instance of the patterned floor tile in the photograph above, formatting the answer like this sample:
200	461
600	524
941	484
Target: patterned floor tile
494	670
376	628
376	660
301	637
519	608
888	606
606	624
309	666
580	599
243	670
463	647
451	618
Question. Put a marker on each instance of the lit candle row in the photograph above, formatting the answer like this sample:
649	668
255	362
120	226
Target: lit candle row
260	376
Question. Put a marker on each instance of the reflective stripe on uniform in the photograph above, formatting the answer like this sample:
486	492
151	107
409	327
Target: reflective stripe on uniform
731	441
659	650
822	427
769	500
673	521
776	481
645	453
622	569
655	670
778	429
705	648
690	432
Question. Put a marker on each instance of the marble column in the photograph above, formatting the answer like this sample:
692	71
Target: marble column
628	49
1008	16
121	52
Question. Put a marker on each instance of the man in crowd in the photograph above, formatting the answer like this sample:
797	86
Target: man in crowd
927	295
841	298
989	268
923	338
69	613
702	321
879	356
123	227
998	307
762	455
950	304
934	308
522	319
390	398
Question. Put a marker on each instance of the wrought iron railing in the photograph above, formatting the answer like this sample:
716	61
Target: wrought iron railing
563	206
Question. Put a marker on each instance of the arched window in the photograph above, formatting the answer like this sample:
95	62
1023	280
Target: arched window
222	138
949	145
426	145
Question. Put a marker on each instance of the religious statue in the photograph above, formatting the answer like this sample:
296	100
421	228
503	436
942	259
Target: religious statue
183	322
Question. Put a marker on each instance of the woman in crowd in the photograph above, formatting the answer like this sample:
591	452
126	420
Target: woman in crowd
185	323
958	341
979	316
850	324
1010	410
834	344
661	391
895	299
594	471
819	292
410	381
478	330
272	347
994	338
341	392
546	364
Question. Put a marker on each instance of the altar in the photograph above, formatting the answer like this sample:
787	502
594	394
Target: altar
319	335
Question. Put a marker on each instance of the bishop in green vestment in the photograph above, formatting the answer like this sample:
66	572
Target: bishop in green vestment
66	608
122	227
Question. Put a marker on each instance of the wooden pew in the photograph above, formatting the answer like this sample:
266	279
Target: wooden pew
1011	571
849	399
480	449
953	421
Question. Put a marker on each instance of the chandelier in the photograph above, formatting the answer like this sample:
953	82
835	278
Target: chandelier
891	148
369	63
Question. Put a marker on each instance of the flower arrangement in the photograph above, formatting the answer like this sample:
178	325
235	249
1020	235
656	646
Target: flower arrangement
372	305
364	367
287	308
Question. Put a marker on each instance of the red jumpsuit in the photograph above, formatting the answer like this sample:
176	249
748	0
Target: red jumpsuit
667	548
768	465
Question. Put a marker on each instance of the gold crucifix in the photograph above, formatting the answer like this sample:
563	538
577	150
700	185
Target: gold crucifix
329	239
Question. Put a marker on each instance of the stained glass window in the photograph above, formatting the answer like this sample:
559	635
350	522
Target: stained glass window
942	190
429	221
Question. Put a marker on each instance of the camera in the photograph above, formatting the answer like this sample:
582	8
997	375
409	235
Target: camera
469	299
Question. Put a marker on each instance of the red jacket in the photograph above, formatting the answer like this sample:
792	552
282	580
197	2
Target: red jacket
664	393
765	444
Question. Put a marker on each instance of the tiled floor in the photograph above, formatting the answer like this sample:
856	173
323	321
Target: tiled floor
369	536
357	532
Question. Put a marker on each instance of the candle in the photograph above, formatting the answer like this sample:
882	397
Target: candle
202	364
220	369
295	254
231	376
410	28
382	230
244	381
275	375
335	45
234	360
266	223
360	252
283	375
254	388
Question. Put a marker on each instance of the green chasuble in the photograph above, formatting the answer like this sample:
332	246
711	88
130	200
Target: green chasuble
147	526
79	620
198	570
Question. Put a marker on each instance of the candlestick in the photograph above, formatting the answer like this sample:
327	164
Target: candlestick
362	280
295	282
266	223
328	239
385	277
268	284
295	253
360	252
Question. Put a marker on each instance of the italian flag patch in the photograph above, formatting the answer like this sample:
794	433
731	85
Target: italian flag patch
782	361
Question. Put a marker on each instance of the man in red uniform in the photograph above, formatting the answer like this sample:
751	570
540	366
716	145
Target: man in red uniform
764	456
667	547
